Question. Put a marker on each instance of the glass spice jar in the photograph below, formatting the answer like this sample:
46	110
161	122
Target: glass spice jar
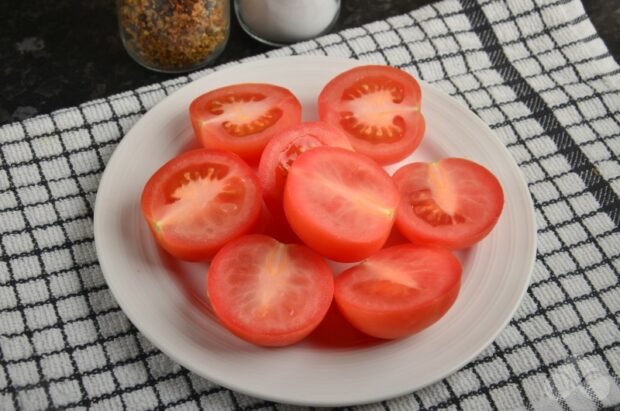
174	36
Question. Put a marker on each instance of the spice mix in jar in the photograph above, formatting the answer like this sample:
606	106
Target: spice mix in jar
174	35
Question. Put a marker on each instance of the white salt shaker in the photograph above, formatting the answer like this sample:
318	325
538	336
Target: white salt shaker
280	22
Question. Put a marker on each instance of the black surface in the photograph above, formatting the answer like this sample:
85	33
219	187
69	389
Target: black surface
55	54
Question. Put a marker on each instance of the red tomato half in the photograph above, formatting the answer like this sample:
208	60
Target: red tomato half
200	200
452	203
340	203
285	147
379	109
269	293
243	117
399	291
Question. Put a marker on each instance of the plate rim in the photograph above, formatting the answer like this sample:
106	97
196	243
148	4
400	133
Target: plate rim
138	323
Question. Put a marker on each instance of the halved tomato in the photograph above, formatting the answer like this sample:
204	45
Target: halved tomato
243	117
269	293
399	291
379	109
340	203
285	147
200	200
452	203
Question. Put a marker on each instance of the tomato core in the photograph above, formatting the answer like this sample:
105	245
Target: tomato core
294	149
243	114
192	193
372	110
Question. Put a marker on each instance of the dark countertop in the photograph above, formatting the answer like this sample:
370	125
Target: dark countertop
56	54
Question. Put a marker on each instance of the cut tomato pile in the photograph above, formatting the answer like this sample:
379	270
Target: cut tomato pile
269	199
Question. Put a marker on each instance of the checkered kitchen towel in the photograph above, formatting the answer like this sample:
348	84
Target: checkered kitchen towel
535	71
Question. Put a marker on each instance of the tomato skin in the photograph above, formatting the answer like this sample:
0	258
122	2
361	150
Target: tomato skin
395	238
474	196
379	306
340	203
215	128
157	192
335	331
253	258
275	161
407	122
274	224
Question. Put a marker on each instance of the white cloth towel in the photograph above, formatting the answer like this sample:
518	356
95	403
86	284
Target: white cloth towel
534	70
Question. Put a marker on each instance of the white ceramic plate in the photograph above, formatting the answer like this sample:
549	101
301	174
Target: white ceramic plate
166	300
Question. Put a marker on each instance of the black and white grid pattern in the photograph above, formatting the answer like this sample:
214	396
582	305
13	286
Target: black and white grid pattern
535	71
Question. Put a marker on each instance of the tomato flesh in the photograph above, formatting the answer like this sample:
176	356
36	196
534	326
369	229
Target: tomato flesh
283	150
234	107
340	203
242	118
269	293
198	201
379	109
399	291
452	203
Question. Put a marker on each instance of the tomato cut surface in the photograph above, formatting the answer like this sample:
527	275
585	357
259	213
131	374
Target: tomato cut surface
199	200
378	107
399	291
269	293
285	147
243	117
340	203
452	203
